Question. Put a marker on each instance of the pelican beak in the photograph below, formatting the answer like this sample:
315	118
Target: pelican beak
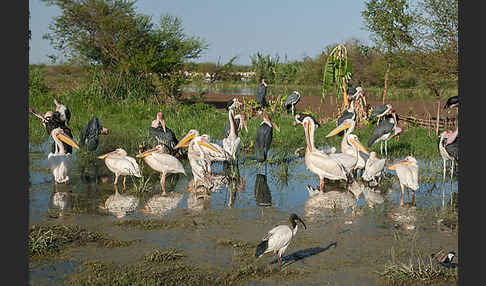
338	129
359	146
66	139
146	153
401	162
106	155
163	125
204	144
185	141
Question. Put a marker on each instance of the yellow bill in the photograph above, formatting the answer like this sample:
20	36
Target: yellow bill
66	139
360	146
338	129
208	146
184	142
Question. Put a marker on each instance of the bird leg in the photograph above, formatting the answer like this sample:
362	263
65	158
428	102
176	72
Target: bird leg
444	171
452	168
321	185
403	194
124	180
162	182
381	147
279	262
386	148
116	179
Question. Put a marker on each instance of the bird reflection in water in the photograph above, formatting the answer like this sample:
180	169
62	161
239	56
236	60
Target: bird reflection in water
162	203
60	203
263	196
199	196
321	203
120	205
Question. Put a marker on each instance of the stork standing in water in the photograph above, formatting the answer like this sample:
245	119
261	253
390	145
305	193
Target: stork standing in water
349	148
264	137
89	136
164	135
278	239
60	161
384	131
448	152
63	111
319	162
291	100
408	174
161	162
262	94
232	143
120	164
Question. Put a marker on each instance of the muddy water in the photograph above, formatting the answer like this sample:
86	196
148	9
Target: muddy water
351	229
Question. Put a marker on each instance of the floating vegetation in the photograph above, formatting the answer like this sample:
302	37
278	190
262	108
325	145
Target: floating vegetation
163	255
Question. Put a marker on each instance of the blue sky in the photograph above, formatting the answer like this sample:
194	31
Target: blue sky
238	28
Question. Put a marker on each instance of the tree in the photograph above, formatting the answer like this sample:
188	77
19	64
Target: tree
109	33
337	73
389	21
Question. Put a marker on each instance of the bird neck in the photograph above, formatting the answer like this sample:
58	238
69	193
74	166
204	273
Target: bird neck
232	122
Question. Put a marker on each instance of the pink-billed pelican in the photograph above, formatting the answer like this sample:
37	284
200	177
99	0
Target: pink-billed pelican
346	146
161	162
408	175
373	168
232	143
317	161
120	164
278	239
60	161
201	153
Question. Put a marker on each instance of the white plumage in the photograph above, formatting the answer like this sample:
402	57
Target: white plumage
60	162
232	143
373	168
408	173
121	165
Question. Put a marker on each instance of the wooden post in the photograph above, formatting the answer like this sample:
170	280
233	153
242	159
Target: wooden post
438	116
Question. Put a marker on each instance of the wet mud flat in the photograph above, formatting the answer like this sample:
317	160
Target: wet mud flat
211	240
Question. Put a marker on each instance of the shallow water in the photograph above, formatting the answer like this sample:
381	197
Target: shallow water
263	197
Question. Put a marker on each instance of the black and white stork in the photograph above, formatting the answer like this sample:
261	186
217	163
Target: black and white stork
278	239
89	136
164	135
380	111
291	100
52	120
385	130
264	137
452	102
262	94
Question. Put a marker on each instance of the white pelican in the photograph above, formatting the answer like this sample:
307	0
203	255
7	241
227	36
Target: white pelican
232	143
408	174
162	162
347	147
200	154
373	168
121	165
278	239
319	162
60	161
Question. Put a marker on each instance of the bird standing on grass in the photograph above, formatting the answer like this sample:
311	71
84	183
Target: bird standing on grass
262	94
278	239
121	165
291	100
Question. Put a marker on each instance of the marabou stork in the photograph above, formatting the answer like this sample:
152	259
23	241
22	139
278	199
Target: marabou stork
348	148
373	168
161	162
120	164
452	102
380	111
52	120
261	94
445	148
408	174
385	130
60	161
264	137
291	100
232	143
443	258
164	135
240	123
278	239
319	162
63	111
299	118
89	136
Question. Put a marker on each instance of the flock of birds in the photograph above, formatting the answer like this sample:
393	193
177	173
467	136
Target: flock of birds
201	152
